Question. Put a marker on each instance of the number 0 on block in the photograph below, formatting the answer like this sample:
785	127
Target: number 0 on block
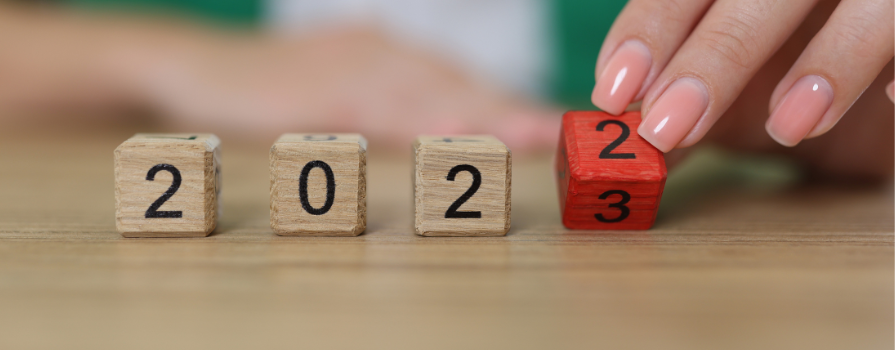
318	185
609	178
461	186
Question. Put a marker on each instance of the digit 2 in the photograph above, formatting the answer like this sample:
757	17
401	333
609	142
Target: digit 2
452	211
153	211
625	211
606	153
330	187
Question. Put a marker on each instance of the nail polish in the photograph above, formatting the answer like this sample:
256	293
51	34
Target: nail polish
800	110
622	78
674	113
890	91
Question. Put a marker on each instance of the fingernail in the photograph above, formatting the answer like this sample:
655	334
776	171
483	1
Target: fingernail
674	114
890	90
801	111
622	77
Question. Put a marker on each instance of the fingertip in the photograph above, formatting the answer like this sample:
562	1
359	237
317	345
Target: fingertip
781	140
622	78
890	90
650	137
675	114
600	102
801	113
597	100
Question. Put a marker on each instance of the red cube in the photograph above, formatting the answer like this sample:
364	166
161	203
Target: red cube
609	177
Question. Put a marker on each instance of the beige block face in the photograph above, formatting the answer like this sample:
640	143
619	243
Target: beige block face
191	208
445	172
326	208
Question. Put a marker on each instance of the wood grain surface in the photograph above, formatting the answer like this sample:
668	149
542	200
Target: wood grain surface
737	260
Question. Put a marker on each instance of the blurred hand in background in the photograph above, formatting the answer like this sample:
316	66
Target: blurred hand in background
391	70
254	85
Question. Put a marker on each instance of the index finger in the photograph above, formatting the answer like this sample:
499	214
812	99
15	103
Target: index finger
640	43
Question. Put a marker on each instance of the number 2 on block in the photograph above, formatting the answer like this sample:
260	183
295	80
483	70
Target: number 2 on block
606	153
153	211
452	211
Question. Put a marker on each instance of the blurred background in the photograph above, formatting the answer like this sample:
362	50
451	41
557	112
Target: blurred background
250	70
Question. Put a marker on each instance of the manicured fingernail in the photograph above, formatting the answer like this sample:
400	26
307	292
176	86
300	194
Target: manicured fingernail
622	77
674	114
890	90
801	111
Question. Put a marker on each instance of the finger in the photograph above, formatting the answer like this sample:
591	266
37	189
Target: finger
834	70
642	40
890	90
709	71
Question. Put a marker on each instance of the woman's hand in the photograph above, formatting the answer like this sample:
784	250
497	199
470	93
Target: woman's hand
690	61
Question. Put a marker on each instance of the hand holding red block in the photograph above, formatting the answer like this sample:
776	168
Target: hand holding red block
609	178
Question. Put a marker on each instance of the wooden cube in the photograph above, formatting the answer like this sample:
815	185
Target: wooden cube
609	178
461	186
318	185
167	185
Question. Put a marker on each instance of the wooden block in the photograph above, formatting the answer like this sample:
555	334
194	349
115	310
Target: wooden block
461	186
167	185
318	185
609	178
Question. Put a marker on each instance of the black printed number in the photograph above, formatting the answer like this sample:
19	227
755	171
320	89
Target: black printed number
452	211
624	211
606	153
330	187
153	211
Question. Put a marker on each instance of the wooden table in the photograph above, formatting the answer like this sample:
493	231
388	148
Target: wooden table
737	260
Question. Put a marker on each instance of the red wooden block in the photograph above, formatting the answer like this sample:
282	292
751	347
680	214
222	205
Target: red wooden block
609	178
